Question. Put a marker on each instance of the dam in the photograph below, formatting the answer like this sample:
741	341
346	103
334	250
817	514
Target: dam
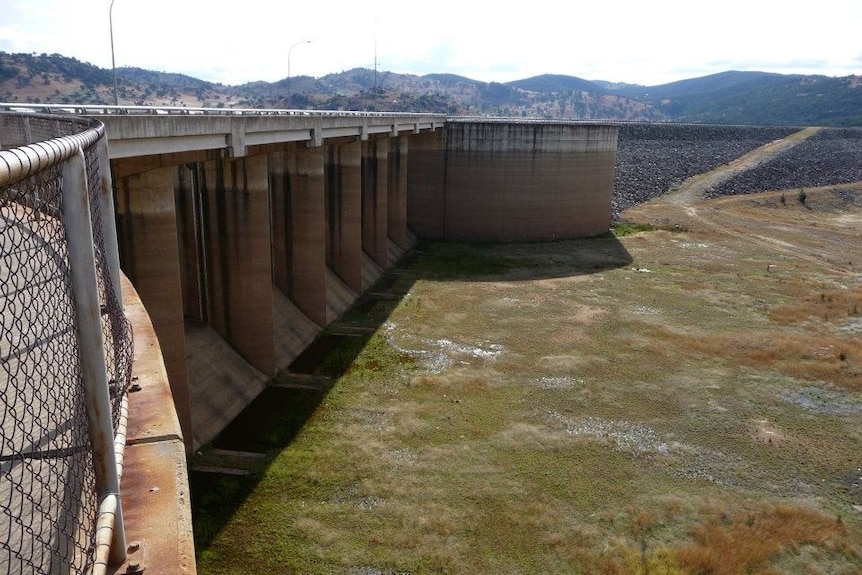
244	233
243	254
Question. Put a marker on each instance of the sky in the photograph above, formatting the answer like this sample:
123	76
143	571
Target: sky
634	41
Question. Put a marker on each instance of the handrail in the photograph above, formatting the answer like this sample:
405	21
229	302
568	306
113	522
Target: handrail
24	161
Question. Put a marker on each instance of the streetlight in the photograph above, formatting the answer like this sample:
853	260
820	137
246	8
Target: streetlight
288	65
113	63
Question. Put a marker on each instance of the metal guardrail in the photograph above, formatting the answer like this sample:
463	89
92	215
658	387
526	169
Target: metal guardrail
65	349
123	110
95	110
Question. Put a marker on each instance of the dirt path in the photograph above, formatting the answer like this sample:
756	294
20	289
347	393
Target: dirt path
691	192
685	207
693	189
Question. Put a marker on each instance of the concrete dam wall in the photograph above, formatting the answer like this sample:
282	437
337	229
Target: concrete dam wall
504	181
244	255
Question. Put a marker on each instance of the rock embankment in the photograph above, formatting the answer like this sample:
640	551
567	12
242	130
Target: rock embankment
654	158
831	156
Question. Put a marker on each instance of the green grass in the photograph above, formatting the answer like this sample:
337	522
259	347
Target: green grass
622	228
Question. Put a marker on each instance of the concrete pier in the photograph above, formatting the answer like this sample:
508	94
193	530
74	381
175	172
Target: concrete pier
238	274
306	232
396	203
344	212
375	190
149	253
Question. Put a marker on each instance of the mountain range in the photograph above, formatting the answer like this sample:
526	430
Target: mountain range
732	97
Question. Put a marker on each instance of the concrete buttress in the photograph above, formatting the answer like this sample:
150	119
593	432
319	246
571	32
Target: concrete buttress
375	214
397	196
147	226
344	212
236	219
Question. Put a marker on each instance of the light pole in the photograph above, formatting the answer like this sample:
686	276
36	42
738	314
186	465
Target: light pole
113	63
288	65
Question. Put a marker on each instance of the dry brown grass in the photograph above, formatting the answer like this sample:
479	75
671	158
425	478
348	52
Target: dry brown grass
807	356
747	543
722	541
826	305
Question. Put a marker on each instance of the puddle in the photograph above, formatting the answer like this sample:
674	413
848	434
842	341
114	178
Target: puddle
646	310
627	437
405	456
374	571
695	245
352	496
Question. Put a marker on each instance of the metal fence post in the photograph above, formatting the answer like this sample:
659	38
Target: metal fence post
82	264
109	223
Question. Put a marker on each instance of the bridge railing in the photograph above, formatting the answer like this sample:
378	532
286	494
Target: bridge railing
65	349
128	110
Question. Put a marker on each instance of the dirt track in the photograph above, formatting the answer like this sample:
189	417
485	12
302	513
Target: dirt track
685	206
654	159
695	188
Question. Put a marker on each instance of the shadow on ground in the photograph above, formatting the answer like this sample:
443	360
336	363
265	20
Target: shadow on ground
465	261
246	447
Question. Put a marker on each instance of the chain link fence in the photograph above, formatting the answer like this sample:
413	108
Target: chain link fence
50	492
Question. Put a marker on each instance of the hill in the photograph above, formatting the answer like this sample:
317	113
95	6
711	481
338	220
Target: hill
757	98
733	97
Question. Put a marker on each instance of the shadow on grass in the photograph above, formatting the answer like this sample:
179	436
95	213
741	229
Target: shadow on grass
275	417
271	422
469	261
265	427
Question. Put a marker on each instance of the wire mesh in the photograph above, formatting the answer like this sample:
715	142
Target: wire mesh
48	499
117	332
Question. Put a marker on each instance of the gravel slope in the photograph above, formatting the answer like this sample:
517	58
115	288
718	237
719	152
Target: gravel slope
653	158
